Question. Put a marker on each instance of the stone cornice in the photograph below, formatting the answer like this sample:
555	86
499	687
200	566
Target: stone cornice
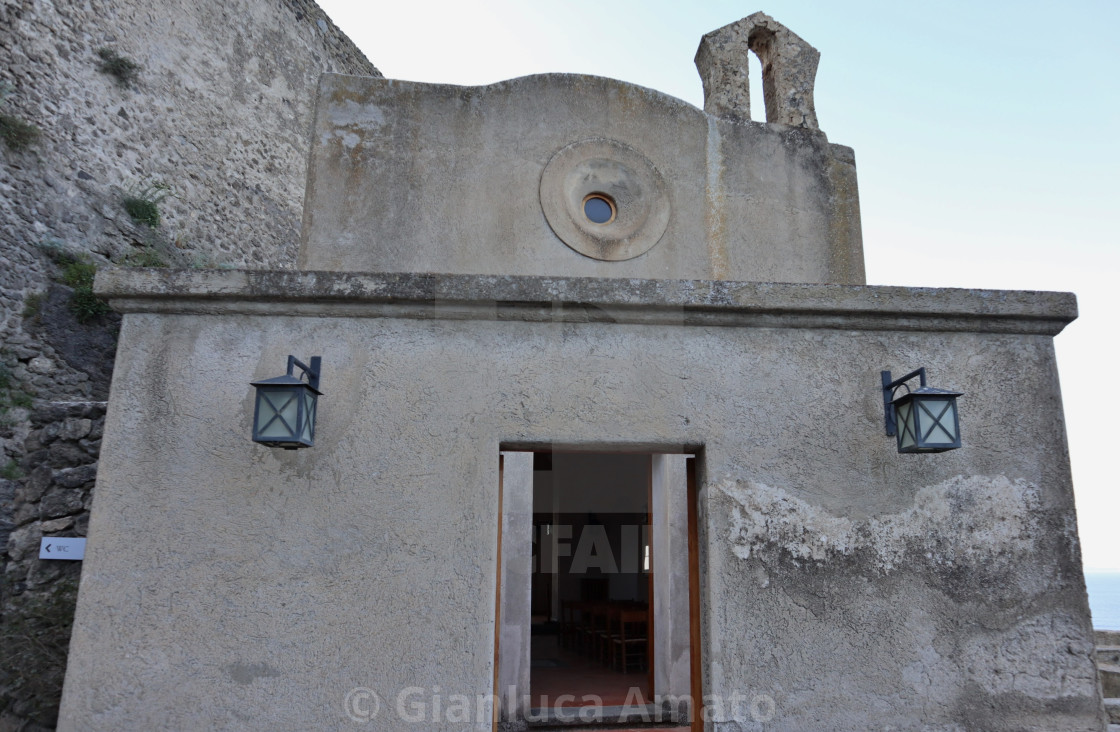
575	299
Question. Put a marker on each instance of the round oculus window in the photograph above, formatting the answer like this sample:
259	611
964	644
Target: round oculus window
604	199
598	208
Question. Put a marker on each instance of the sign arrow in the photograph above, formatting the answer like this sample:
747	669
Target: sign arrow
62	548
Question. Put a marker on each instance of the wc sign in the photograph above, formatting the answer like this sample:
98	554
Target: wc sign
53	547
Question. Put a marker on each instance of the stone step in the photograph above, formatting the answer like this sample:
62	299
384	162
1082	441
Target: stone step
1112	706
1108	654
1107	637
1110	680
647	716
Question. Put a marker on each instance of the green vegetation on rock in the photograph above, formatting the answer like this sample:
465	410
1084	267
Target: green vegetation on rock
147	256
17	134
142	202
11	471
12	394
77	273
121	68
32	305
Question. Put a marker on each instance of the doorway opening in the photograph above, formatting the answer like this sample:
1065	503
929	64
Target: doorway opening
591	582
597	597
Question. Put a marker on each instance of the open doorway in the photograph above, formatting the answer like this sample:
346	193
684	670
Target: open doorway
592	581
597	617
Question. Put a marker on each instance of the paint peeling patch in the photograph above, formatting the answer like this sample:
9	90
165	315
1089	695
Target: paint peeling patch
351	114
963	521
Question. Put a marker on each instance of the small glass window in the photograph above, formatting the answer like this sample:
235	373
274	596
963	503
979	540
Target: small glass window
598	208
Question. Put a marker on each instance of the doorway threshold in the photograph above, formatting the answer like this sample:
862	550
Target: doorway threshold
636	716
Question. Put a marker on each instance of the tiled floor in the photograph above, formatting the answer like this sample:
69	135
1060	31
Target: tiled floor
559	672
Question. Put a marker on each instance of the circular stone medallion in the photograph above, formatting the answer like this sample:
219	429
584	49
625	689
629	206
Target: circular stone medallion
604	199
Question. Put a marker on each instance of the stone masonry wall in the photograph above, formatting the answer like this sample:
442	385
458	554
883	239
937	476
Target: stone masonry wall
55	497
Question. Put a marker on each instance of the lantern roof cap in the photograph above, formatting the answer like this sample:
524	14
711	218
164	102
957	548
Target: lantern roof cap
285	380
928	391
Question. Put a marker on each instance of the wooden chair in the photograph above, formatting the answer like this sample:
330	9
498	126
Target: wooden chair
628	642
584	627
600	614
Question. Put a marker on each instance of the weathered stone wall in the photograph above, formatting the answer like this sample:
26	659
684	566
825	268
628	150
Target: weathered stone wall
220	111
55	497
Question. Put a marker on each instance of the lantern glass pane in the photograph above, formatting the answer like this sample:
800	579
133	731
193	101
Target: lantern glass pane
905	419
277	413
307	431
949	421
937	421
936	435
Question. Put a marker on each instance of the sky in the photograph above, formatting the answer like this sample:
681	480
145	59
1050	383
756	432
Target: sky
986	138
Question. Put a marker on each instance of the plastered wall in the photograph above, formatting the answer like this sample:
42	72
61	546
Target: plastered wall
410	177
228	584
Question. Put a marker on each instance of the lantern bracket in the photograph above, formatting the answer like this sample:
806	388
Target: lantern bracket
312	371
889	388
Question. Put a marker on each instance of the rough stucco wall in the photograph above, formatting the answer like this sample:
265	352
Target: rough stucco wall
228	584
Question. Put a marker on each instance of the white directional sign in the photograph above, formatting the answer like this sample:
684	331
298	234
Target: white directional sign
53	547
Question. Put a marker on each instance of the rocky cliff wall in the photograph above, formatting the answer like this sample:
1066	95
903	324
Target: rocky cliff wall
217	107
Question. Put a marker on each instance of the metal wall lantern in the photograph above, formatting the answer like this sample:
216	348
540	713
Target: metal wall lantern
923	420
285	411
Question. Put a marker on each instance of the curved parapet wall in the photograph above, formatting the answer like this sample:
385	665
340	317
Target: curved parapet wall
412	177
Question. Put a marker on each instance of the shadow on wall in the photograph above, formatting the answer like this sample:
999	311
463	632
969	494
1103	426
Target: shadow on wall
89	346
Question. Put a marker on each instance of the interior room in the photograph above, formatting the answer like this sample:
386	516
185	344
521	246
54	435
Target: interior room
592	579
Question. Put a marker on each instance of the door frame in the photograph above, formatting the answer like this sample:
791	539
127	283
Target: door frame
513	592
